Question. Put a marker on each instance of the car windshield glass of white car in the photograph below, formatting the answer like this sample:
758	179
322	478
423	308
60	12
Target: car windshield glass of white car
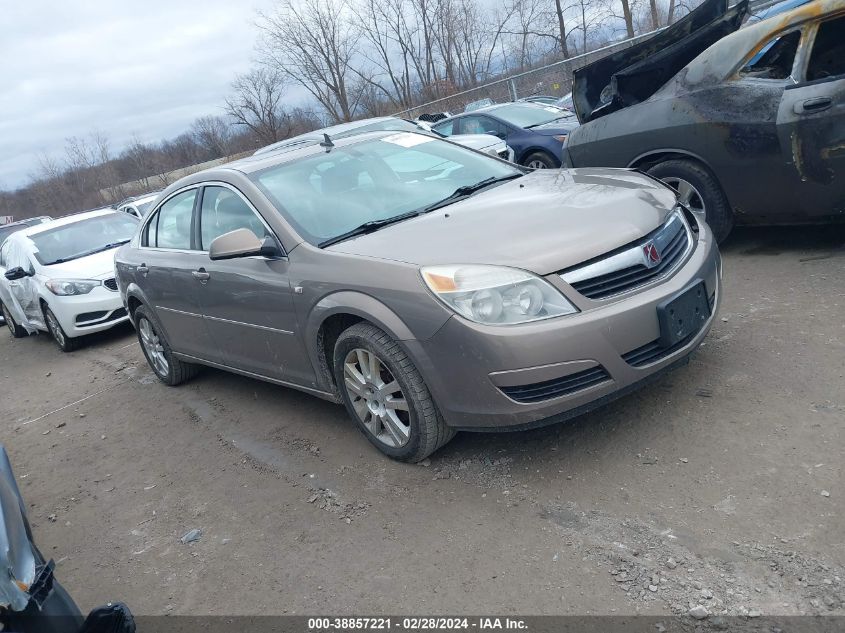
86	237
326	195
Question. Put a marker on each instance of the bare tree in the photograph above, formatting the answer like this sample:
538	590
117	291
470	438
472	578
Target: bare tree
255	103
314	43
213	134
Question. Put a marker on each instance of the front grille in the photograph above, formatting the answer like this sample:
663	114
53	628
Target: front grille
628	269
654	352
539	391
111	284
505	154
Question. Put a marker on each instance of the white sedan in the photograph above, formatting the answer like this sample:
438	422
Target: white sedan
58	277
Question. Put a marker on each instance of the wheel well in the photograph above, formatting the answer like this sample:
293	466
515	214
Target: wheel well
535	150
327	336
647	162
133	304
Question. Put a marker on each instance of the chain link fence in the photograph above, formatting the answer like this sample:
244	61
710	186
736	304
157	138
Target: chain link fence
553	79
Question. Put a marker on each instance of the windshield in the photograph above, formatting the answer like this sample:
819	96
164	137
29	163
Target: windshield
144	207
326	195
528	115
86	237
6	231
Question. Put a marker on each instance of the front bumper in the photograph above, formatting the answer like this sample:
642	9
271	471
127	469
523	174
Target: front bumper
96	311
604	351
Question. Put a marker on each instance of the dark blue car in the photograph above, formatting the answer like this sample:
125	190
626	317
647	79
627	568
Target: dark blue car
535	132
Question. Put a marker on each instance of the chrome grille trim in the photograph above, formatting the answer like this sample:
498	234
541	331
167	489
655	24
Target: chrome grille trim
628	269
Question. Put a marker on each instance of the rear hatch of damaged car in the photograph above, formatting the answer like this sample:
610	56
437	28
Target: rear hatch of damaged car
634	74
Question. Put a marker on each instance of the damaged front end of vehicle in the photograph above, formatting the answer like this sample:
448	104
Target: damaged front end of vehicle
634	74
31	599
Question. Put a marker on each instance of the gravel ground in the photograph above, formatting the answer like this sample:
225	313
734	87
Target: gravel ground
722	485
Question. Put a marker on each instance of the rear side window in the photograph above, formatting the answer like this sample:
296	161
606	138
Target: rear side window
775	59
171	226
224	211
828	56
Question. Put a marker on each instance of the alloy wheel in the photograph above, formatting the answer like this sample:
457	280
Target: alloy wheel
153	347
688	195
55	328
377	398
536	164
8	318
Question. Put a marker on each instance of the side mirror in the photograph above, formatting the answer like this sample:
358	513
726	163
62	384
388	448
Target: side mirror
243	243
13	274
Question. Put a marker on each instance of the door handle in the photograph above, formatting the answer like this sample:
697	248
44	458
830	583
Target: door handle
813	105
202	275
143	269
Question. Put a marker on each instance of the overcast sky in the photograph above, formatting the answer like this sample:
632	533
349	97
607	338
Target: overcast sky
122	66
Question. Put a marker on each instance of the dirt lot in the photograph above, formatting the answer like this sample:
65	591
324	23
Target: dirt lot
722	484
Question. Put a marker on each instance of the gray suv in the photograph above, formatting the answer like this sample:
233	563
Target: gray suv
428	287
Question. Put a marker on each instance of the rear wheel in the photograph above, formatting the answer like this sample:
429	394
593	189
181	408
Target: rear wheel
699	190
16	330
65	343
386	396
539	160
169	370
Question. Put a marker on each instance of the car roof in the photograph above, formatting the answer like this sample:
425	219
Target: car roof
63	221
317	135
719	60
25	221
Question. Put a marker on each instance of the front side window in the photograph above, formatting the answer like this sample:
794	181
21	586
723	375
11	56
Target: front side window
483	125
85	237
775	59
171	226
328	194
224	211
828	56
446	129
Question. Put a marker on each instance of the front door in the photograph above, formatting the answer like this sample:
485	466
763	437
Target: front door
22	299
248	302
168	258
811	124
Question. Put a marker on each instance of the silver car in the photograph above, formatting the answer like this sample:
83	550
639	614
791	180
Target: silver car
427	287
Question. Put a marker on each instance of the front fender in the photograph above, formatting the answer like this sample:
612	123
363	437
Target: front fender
356	304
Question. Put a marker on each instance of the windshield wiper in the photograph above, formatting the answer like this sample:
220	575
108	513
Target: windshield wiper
62	260
468	190
375	225
368	227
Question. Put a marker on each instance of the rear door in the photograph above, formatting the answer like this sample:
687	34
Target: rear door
248	302
169	256
811	123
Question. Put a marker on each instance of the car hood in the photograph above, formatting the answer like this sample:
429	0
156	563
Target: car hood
96	266
476	141
559	126
17	558
543	222
634	74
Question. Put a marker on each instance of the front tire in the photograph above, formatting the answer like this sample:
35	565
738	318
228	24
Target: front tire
539	160
65	342
16	330
167	368
386	396
700	191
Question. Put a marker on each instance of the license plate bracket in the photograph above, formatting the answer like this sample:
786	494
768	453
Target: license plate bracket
683	315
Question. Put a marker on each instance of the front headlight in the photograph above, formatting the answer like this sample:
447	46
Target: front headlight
68	287
495	295
562	138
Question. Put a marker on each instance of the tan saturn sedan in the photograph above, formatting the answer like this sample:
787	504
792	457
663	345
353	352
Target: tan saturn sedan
428	287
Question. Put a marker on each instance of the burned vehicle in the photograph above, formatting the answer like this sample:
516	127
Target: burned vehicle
748	124
428	287
31	599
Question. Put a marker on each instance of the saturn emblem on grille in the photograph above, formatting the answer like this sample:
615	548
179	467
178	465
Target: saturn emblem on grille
651	256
